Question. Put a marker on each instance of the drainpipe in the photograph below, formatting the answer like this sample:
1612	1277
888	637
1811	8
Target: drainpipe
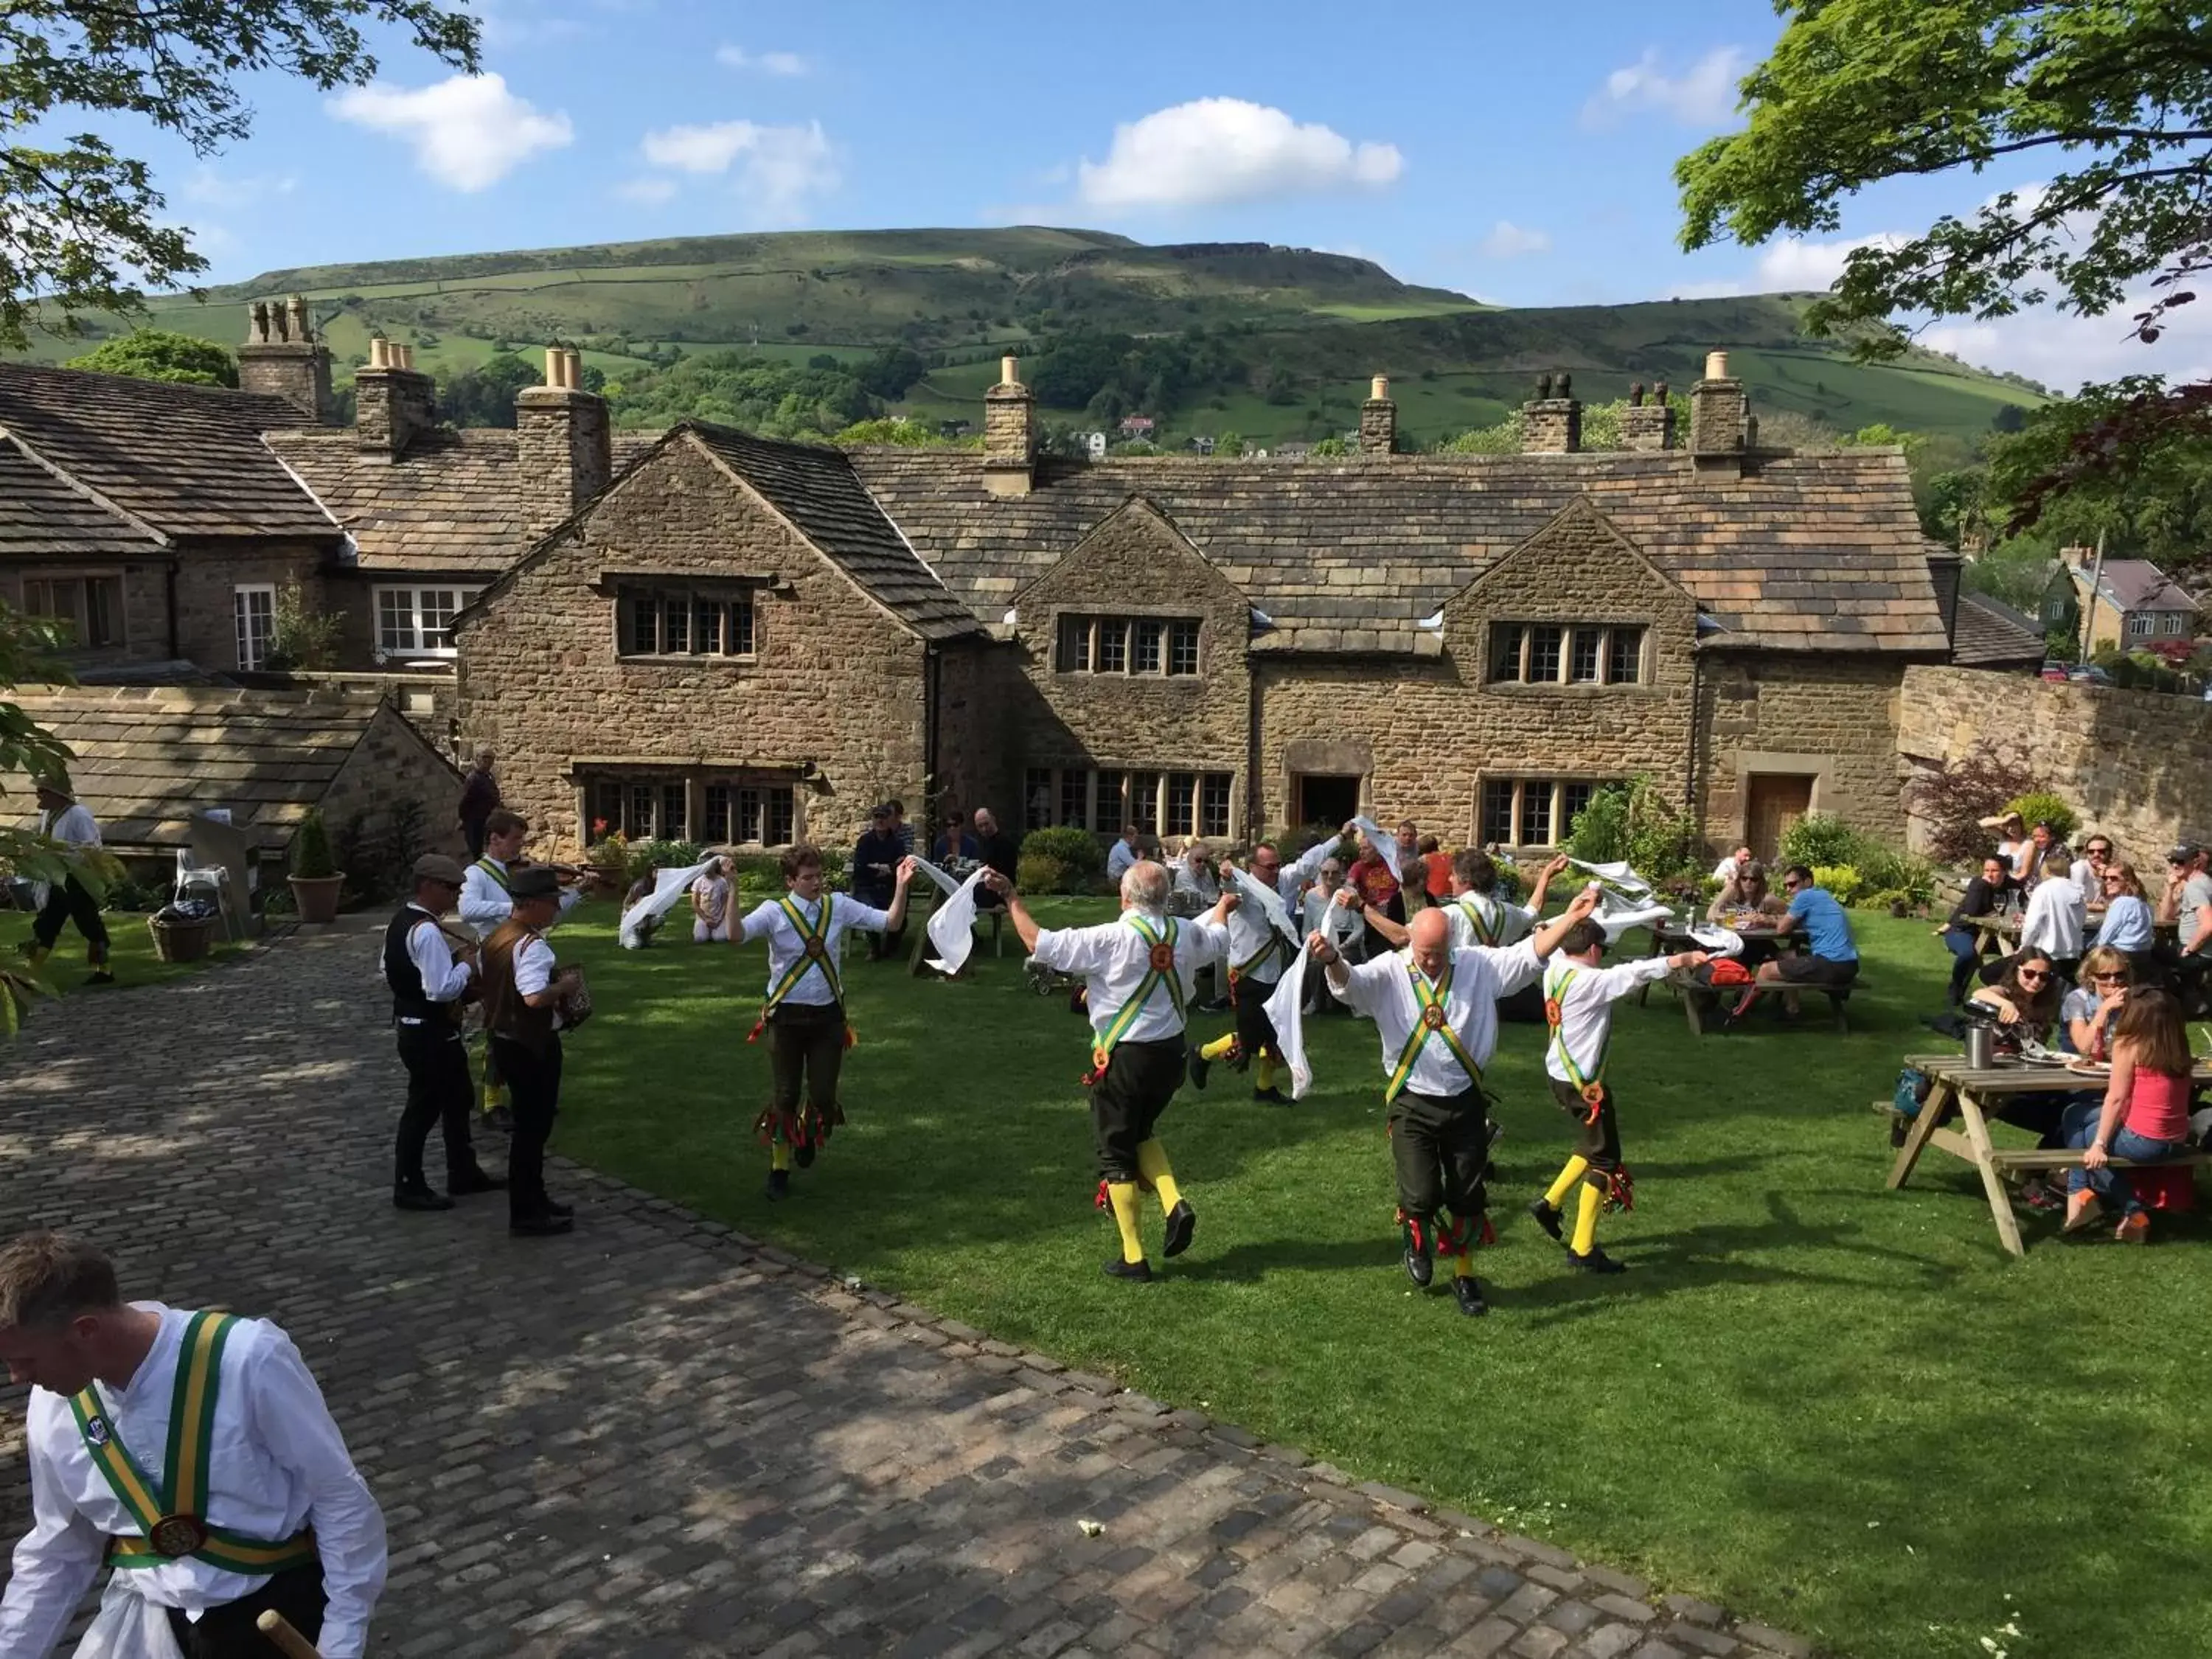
1689	801
1252	799
170	583
932	660
2089	611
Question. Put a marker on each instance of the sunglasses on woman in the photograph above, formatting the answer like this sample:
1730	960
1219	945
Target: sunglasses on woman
2032	975
2109	979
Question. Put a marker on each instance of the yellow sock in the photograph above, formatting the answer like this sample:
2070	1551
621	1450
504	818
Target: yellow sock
1576	1167
1123	1195
495	1096
1463	1263
1264	1071
1220	1047
37	954
1152	1161
779	1155
1586	1218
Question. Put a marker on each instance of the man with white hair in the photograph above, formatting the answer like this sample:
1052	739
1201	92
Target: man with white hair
1258	949
1137	972
1436	1008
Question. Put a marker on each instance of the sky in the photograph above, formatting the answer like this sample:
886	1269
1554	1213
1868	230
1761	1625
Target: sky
1479	147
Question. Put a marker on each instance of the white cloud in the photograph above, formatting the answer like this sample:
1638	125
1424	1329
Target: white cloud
2062	351
767	63
650	191
205	185
1225	149
1792	266
1508	241
1703	95
468	131
778	168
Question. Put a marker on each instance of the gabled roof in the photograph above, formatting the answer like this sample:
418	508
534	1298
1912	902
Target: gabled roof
816	489
1812	552
43	516
2134	585
186	460
1991	633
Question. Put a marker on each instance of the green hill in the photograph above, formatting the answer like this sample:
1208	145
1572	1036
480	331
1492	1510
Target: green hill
1308	328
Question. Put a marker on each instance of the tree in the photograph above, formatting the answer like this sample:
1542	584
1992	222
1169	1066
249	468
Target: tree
484	395
1229	446
2153	502
158	354
83	222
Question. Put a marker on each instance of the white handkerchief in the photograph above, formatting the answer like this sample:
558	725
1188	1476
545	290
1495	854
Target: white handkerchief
1618	874
670	889
1255	891
1387	845
1719	941
941	878
952	928
1285	1009
1617	915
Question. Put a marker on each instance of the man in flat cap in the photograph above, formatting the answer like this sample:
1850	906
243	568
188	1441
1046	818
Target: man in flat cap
63	818
523	992
431	977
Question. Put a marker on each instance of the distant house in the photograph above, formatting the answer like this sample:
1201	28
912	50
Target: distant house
952	428
1137	426
1091	446
1296	449
2135	606
1202	445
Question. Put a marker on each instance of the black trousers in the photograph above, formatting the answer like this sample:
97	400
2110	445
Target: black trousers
533	1096
1596	1140
1441	1147
72	901
473	830
1141	1079
228	1632
439	1091
806	1047
1254	1031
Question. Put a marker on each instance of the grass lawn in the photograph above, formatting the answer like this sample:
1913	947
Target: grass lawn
1839	1409
130	953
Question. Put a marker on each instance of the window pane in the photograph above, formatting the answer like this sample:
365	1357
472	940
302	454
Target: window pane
644	625
676	625
1113	647
741	626
1583	669
395	619
1544	647
718	812
637	820
103	610
1182	648
675	812
1073	788
706	626
255	609
1213	805
1498	811
1036	799
748	825
606	808
1145	799
438	606
1074	644
1536	812
1108	817
38	597
781	819
1181	818
1573	797
1626	665
1144	649
1506	652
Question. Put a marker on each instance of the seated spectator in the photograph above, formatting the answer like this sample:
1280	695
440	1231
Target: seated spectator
2144	1117
1127	849
1746	890
998	850
875	872
2013	846
1437	868
1731	867
2087	1017
953	845
2186	907
710	903
2027	999
2057	912
1832	955
1969	944
2127	925
1195	878
2089	870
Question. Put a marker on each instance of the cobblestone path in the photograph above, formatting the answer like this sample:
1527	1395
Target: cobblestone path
658	1437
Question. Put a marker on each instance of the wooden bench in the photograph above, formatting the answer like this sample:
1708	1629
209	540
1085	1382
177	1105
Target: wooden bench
1701	1003
2006	1159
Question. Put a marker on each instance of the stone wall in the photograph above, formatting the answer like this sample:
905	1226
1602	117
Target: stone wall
393	769
425	699
207	576
1827	716
978	763
831	702
2137	765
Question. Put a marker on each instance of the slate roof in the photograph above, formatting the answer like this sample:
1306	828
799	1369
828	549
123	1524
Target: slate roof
1812	552
186	460
42	515
1991	633
2136	585
148	756
816	487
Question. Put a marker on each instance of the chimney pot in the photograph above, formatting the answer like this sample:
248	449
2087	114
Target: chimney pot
1378	420
1381	388
1716	366
553	366
1009	370
572	369
1009	434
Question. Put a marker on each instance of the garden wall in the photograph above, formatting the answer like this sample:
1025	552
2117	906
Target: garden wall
2137	765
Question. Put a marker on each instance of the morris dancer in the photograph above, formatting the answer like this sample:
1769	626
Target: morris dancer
1437	1009
804	1013
1480	917
486	901
1578	999
246	1503
1138	974
64	818
1257	949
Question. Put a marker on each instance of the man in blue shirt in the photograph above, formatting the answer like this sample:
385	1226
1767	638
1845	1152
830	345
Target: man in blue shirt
1832	958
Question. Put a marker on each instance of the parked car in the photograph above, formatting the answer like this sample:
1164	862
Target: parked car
2054	670
2088	673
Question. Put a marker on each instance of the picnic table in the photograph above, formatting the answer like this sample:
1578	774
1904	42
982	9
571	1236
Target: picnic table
1760	943
1971	1093
1999	931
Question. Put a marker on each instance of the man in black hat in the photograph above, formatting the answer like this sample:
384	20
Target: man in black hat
522	992
876	861
2186	907
430	980
62	818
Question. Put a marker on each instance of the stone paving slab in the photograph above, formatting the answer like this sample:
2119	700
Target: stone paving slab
657	1438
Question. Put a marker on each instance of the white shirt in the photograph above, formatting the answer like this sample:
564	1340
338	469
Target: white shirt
1198	881
712	894
73	826
1382	989
2056	915
1586	1010
784	946
278	1463
432	953
485	903
1725	870
1119	858
1114	959
2085	877
1507	924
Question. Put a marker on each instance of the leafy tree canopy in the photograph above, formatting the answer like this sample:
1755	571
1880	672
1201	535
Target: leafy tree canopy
736	388
82	222
159	353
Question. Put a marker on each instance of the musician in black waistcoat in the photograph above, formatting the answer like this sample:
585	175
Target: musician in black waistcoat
428	982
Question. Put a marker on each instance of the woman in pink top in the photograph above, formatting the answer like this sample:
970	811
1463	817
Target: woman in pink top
2144	1116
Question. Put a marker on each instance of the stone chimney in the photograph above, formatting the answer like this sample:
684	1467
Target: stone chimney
282	358
1718	412
1009	434
1552	424
1647	425
1944	570
1378	420
564	444
394	405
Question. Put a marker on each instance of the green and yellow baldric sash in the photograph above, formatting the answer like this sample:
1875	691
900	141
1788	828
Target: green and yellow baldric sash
1435	1023
1486	923
496	873
813	952
172	1517
1590	1084
1161	937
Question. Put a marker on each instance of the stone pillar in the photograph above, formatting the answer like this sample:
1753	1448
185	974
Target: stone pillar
282	358
394	405
1650	425
563	443
1009	434
1378	420
1718	409
1551	425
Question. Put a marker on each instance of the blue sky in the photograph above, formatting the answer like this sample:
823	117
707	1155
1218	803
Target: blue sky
1480	147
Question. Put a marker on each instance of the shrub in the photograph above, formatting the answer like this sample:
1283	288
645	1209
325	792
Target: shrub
642	858
2043	806
311	849
133	895
1077	851
1819	838
1633	821
1952	799
1842	881
1893	875
1041	873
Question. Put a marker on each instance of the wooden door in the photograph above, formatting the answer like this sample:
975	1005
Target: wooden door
1773	802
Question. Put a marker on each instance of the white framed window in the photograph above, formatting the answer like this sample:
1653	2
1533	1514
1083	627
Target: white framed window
2142	624
740	812
91	605
2176	622
254	609
416	622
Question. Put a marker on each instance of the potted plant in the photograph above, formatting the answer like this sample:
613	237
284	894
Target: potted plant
315	883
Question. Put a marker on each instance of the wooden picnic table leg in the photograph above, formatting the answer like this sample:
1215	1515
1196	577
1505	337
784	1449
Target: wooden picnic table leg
1932	1112
1978	1132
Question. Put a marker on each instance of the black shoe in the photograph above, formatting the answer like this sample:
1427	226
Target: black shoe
1597	1262
500	1118
560	1211
1547	1217
779	1183
419	1197
1137	1272
100	977
804	1156
1197	1065
476	1180
1272	1096
540	1226
1470	1296
1419	1266
1183	1222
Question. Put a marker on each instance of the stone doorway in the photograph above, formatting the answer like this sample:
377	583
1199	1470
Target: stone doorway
1323	798
1772	802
